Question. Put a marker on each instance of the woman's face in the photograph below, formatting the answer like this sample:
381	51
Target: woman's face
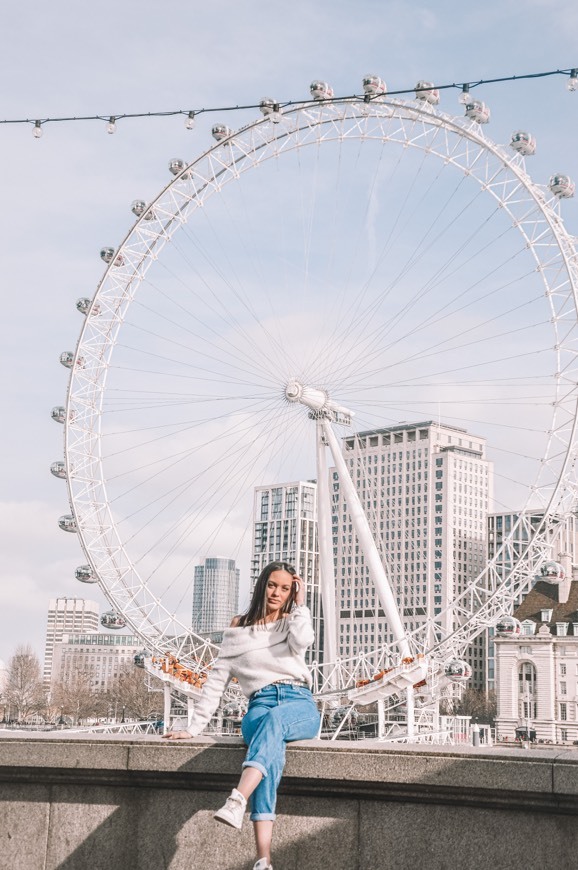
279	587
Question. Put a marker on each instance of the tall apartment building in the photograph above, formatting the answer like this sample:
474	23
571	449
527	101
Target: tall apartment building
563	538
426	489
102	656
215	595
67	616
285	530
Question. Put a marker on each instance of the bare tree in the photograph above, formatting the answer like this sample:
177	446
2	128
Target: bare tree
24	693
77	698
481	706
131	693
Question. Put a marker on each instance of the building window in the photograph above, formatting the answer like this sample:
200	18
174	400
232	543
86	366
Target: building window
527	682
563	688
563	712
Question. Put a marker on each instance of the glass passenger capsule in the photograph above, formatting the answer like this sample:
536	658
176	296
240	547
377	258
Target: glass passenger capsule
84	305
372	85
425	91
524	143
270	109
58	469
478	112
107	254
233	711
139	659
458	670
139	207
112	619
267	105
321	90
176	166
67	523
552	572
340	713
508	626
58	414
220	132
67	360
562	186
85	574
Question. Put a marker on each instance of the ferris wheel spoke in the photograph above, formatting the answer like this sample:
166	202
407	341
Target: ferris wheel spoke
215	492
213	352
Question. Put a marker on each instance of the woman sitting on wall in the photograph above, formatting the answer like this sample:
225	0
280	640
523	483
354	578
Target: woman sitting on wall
264	649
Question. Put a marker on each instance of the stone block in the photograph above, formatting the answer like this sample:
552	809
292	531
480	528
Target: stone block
24	822
316	833
176	831
92	827
565	778
63	754
198	756
456	770
406	836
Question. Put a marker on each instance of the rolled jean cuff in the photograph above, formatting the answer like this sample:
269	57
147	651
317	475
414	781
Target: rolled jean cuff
257	765
262	817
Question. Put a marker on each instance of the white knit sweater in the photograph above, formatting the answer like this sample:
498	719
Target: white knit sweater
256	655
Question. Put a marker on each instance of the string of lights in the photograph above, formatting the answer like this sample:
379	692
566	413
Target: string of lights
464	88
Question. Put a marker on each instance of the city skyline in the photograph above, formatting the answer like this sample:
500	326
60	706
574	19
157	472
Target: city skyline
75	185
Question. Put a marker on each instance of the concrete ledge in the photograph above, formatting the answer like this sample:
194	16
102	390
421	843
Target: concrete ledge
109	801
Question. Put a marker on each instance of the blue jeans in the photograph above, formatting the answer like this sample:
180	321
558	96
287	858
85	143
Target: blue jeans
277	714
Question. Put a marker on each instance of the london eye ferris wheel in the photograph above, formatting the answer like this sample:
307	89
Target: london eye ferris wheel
335	267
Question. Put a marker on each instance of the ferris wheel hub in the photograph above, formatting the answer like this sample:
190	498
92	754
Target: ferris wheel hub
318	402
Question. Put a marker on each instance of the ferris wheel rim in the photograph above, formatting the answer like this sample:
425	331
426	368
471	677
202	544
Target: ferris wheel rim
315	119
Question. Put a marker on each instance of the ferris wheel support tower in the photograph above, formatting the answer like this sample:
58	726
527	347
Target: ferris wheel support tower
325	412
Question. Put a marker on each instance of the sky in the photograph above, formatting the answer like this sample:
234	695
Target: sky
68	194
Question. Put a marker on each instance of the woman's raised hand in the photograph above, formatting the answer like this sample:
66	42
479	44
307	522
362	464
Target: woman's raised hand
299	590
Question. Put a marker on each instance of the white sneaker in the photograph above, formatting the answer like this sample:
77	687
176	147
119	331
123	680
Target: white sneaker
263	864
233	811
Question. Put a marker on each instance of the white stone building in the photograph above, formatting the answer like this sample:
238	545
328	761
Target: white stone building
67	616
537	671
563	538
426	489
101	655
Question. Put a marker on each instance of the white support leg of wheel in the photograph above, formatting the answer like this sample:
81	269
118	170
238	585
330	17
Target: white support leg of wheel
325	410
373	559
381	719
167	708
326	570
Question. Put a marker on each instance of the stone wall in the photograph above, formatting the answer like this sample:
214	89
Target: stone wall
100	803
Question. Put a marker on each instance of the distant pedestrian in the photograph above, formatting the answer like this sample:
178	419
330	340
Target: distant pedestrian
264	649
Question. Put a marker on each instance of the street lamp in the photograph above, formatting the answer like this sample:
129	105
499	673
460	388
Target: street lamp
61	720
122	720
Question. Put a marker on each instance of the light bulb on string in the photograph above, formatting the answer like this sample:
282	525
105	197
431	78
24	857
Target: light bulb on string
37	130
572	83
465	96
190	122
111	126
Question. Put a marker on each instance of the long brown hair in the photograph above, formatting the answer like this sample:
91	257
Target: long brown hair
257	610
